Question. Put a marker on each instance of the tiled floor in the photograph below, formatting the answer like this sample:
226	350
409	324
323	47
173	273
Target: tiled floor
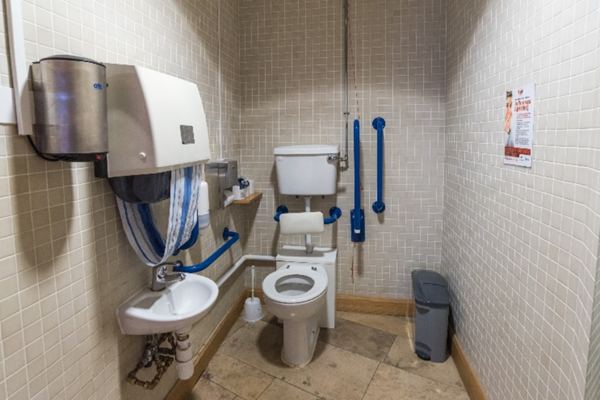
365	357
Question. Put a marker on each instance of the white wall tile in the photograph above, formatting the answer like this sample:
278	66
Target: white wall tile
521	245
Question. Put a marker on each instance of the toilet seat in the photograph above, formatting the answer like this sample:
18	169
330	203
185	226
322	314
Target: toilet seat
316	274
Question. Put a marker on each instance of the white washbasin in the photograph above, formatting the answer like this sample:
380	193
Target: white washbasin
178	306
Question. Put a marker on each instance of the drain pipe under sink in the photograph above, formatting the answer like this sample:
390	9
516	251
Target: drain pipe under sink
184	357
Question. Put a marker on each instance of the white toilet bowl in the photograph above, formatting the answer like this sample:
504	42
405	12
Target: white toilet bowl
296	294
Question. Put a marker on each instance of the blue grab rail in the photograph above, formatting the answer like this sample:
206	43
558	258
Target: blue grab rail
334	214
227	234
357	216
379	205
280	210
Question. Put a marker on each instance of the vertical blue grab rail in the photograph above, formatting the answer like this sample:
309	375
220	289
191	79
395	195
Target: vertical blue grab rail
379	205
357	216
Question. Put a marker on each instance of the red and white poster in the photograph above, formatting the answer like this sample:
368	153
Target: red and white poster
518	126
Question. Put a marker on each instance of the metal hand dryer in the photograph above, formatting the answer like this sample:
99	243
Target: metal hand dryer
70	108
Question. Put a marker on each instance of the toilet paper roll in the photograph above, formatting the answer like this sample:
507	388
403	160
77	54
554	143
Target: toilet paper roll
301	223
228	194
238	193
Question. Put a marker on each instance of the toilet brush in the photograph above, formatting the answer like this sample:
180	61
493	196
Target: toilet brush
252	306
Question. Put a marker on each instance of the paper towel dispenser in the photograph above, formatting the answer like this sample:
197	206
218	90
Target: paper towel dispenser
156	123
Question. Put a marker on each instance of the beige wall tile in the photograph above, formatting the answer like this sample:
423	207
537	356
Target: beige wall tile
292	93
520	245
66	264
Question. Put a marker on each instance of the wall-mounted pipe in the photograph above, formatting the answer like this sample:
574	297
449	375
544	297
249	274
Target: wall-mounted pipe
379	205
240	262
227	234
357	216
346	86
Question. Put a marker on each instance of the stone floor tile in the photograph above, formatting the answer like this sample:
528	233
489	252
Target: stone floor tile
402	356
402	326
360	339
279	390
238	324
207	390
393	383
237	377
333	373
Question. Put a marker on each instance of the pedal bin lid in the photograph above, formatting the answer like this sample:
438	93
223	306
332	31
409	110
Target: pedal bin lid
430	288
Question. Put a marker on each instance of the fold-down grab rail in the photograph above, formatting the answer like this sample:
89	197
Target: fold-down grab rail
227	234
379	205
334	213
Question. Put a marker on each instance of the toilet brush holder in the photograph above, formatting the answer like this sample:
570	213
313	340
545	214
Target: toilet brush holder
252	309
252	306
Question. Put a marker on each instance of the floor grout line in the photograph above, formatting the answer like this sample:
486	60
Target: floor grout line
371	381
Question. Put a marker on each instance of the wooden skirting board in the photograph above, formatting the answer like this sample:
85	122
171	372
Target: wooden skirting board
375	305
468	376
349	303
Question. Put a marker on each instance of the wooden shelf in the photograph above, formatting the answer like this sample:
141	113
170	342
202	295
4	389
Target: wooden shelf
249	199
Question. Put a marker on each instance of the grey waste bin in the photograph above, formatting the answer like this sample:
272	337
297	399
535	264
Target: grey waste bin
432	306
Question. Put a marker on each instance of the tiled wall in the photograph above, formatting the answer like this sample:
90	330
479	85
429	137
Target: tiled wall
292	93
521	245
65	264
592	390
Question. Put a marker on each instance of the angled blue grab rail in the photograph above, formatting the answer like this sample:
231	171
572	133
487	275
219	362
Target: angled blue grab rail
379	205
280	210
357	216
334	214
227	234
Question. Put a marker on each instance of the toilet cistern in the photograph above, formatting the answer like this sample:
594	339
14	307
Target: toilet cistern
307	170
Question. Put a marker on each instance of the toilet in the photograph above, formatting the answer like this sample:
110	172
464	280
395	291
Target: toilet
301	294
301	291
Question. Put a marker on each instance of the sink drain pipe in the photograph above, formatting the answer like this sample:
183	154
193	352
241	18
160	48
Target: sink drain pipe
183	354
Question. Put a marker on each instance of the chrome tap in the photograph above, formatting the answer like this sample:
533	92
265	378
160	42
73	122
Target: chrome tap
161	276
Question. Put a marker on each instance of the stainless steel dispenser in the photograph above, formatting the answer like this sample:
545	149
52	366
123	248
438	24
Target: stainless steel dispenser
70	108
220	175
